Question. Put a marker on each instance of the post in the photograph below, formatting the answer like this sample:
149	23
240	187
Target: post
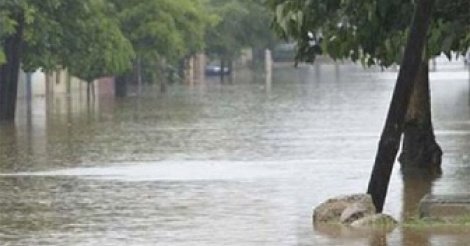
268	62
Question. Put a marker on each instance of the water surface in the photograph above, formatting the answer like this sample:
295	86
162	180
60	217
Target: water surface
236	163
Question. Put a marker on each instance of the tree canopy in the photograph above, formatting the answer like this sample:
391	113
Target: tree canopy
373	32
78	35
95	38
162	32
100	37
240	24
163	28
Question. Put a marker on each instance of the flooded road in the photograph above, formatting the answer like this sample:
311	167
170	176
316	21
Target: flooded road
221	164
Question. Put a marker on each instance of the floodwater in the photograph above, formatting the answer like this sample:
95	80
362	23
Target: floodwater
239	163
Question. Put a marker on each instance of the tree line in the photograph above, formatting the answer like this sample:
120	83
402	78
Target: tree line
129	39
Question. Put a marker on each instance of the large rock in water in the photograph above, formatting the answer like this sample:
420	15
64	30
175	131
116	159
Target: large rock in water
344	209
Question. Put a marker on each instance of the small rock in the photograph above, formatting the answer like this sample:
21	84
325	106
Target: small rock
356	211
332	210
376	220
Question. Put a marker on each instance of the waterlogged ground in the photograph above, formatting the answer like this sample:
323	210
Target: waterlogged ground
239	163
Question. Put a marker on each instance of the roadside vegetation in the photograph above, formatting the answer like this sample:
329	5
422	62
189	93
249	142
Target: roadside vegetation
142	41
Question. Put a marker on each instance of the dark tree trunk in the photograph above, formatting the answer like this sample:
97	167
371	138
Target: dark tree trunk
419	147
138	75
163	84
222	68
9	72
162	75
120	86
257	57
230	70
394	124
90	91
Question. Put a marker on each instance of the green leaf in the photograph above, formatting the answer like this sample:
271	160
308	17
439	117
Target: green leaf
447	43
380	26
2	57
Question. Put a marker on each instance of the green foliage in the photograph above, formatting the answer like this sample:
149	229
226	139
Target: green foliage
104	50
417	223
450	30
163	31
163	28
240	24
79	35
93	38
371	31
2	57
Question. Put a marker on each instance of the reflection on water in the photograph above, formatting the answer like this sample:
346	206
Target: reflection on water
416	184
220	164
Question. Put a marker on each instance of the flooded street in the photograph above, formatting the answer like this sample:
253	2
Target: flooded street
238	163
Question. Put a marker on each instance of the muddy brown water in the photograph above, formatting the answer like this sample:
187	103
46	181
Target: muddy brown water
221	164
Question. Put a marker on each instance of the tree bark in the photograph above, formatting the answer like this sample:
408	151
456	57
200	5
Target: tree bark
230	70
222	68
419	147
394	124
120	86
138	75
9	71
90	91
161	68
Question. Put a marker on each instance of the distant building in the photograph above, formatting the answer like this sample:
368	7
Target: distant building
60	83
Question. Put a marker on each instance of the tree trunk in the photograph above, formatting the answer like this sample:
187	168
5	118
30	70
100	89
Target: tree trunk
222	68
163	79
88	91
419	147
9	72
394	124
120	86
416	184
138	75
230	70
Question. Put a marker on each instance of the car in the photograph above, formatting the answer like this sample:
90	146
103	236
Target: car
213	70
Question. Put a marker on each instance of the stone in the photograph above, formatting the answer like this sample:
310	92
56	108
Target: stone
376	220
356	211
445	207
343	208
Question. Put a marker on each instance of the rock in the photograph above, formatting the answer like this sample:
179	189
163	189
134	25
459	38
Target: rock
343	208
356	211
376	220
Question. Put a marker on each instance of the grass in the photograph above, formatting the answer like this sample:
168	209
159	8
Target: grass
416	222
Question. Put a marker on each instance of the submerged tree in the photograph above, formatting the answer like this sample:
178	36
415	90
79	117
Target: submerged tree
12	25
395	122
104	50
53	34
162	32
374	32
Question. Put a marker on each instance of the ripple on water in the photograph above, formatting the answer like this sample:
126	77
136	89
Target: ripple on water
219	164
